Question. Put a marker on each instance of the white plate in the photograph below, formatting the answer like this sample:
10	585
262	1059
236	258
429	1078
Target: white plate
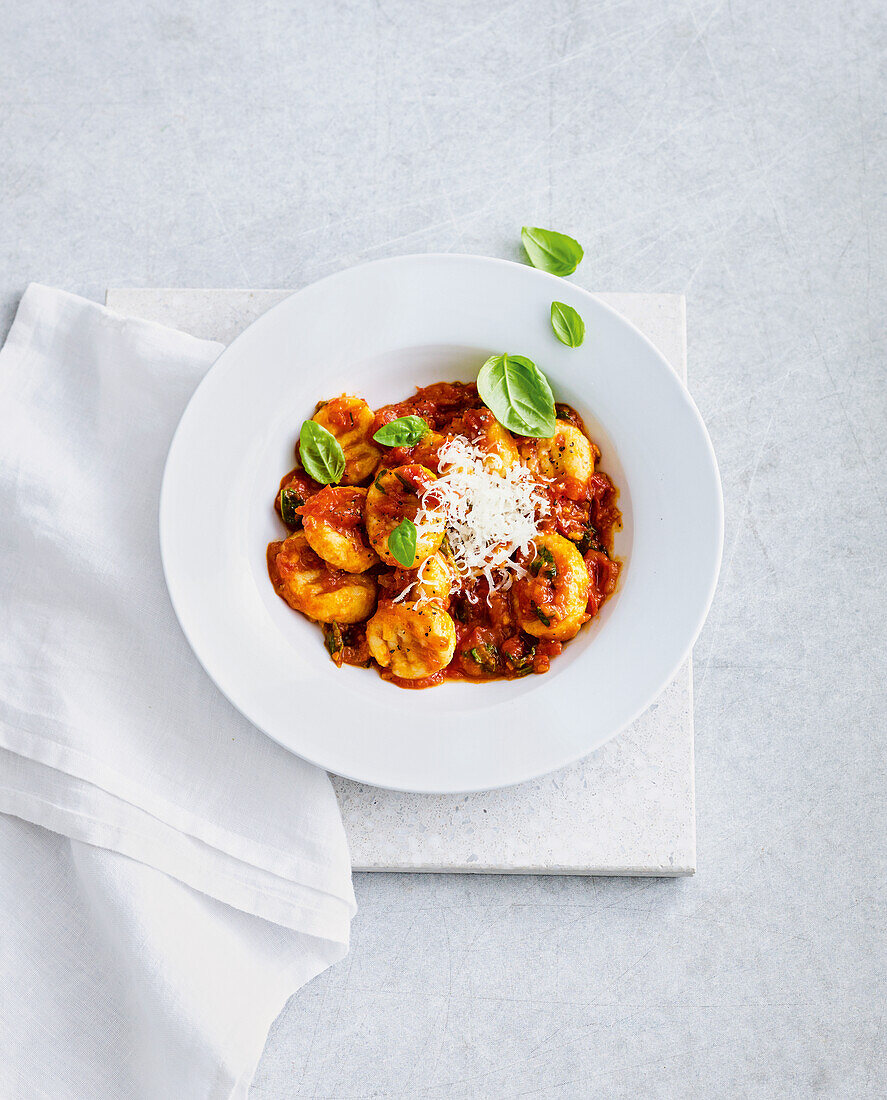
379	330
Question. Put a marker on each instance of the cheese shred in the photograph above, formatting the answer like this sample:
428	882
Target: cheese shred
486	514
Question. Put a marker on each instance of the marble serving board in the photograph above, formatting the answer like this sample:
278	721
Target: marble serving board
627	809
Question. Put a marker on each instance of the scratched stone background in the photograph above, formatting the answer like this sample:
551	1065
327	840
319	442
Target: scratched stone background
731	151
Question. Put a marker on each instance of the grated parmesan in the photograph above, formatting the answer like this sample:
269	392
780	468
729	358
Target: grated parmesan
486	514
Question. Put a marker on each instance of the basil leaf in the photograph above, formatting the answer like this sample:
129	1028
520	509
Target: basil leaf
568	326
589	540
545	557
518	395
541	616
551	251
523	663
402	543
485	655
332	636
289	502
406	431
321	454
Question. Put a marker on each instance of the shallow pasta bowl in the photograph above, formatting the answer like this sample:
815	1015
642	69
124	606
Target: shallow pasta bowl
379	331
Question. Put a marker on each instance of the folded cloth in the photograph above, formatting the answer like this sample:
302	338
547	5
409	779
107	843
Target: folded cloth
168	875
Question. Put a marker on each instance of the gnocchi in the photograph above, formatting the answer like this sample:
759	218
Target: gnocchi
433	580
392	498
332	522
350	420
436	577
550	600
412	642
326	595
567	454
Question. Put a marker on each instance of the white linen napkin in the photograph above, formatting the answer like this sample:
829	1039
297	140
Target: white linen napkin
169	875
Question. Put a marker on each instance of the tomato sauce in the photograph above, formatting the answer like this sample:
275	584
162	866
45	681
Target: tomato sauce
438	404
340	506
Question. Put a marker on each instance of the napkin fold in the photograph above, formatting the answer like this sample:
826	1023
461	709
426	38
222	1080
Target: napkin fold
168	875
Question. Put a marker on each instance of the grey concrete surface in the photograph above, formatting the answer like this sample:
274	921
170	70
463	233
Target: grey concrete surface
732	151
